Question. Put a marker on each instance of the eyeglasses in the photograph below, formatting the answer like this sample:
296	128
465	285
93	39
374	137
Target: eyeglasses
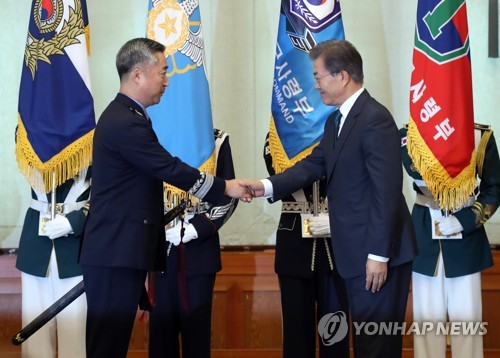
319	78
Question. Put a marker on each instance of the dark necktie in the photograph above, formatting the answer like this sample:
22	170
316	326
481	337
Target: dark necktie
336	121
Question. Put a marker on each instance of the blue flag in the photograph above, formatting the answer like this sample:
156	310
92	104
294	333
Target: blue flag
298	115
56	111
183	118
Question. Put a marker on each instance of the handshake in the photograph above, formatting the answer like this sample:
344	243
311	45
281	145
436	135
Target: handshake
244	189
247	189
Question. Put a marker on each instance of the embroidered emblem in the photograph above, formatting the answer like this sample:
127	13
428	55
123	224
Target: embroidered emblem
170	25
316	14
198	184
219	211
48	16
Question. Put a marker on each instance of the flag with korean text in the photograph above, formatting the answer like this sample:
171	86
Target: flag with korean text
441	125
56	118
298	114
183	118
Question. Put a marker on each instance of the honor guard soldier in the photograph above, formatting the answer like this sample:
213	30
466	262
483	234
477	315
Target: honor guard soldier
453	250
182	315
48	261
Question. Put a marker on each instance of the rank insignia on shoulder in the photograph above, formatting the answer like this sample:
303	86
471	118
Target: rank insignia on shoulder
483	127
136	111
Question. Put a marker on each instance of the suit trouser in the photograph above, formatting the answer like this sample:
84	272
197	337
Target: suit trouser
435	298
385	306
168	319
303	302
112	301
39	293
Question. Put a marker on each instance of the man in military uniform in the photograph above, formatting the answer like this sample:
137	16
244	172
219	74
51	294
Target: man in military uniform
447	271
310	285
48	261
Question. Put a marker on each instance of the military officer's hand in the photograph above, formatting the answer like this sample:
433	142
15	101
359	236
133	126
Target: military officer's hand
254	188
57	227
234	189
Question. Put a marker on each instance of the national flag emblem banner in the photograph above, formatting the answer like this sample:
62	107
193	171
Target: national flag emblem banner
298	114
441	125
56	117
183	118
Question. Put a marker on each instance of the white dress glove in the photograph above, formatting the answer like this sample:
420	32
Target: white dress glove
173	235
319	225
57	227
450	225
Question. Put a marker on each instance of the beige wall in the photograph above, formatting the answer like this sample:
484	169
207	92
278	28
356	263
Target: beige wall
240	37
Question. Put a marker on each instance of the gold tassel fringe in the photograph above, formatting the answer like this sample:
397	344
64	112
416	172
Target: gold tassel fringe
451	193
281	162
66	164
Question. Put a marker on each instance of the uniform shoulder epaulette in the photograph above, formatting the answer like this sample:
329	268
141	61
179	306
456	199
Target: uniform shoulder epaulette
133	110
483	127
218	132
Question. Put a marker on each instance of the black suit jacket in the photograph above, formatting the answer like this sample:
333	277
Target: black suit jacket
368	212
126	207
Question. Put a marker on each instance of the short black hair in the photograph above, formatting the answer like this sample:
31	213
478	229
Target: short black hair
339	55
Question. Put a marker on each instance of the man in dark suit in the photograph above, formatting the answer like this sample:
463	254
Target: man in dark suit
124	237
373	239
310	286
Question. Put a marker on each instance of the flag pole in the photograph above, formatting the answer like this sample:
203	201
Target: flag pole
79	289
53	196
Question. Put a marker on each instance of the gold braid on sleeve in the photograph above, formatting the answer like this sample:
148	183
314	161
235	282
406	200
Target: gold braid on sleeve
483	213
478	210
489	210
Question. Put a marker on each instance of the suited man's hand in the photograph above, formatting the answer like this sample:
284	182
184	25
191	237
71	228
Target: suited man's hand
376	275
236	190
254	187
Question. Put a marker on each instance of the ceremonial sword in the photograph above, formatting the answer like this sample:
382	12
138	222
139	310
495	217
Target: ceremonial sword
78	290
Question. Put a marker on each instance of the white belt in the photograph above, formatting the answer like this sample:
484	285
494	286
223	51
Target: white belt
430	202
302	207
61	208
